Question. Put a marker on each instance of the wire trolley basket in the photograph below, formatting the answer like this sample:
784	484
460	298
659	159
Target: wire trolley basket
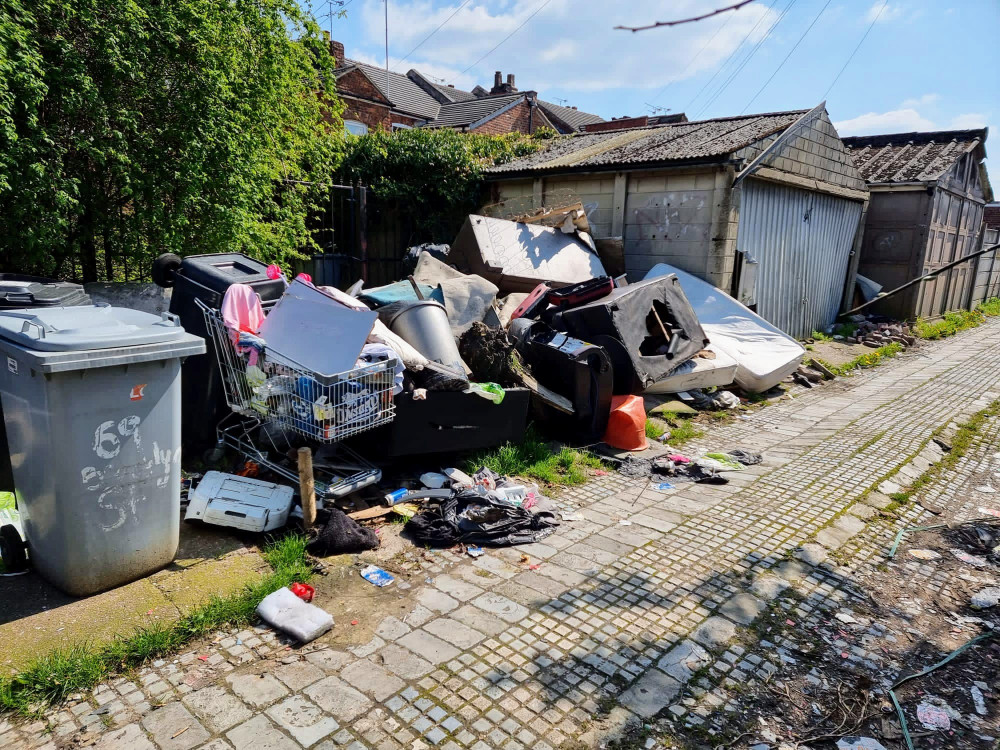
264	384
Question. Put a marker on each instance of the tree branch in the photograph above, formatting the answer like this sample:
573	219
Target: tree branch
658	24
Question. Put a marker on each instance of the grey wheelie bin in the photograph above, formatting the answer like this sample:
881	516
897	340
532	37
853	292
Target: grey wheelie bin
91	401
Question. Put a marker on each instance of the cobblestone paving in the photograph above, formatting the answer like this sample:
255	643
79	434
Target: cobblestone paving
626	607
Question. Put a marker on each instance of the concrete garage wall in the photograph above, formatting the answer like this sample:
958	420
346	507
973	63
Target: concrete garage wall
596	192
684	218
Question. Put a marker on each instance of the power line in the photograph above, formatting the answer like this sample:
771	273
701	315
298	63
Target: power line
537	11
782	63
728	59
746	60
694	59
407	57
865	36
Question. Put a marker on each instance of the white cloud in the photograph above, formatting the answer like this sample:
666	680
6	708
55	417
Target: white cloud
894	121
890	13
920	101
560	50
968	121
569	43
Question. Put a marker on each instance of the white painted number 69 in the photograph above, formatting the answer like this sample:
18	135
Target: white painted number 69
107	443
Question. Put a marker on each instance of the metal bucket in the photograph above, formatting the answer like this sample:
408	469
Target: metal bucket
424	325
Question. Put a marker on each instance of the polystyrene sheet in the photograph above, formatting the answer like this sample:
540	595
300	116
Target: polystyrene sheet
764	355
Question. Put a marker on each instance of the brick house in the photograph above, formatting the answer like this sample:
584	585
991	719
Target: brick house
377	98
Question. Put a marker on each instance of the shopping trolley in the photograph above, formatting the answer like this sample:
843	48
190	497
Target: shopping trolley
278	406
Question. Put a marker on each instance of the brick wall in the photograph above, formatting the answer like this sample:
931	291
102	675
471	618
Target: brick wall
364	102
515	120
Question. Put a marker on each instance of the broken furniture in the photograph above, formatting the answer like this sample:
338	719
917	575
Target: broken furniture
764	355
451	422
239	502
516	257
709	368
575	369
424	326
647	329
91	400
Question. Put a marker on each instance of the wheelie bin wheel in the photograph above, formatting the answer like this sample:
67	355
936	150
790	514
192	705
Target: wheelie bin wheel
12	549
163	269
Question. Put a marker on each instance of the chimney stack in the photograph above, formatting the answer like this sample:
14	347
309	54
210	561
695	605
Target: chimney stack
337	51
499	87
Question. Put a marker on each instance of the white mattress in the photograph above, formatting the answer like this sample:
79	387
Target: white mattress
764	355
698	373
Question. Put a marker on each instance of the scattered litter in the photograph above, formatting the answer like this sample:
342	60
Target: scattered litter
477	551
924	554
342	535
986	598
974	560
859	743
990	512
932	716
624	522
601	473
304	591
459	478
203	658
985	488
285	611
434	480
845	618
573	516
354	622
745	457
664	486
720	462
978	699
240	502
178	733
376	576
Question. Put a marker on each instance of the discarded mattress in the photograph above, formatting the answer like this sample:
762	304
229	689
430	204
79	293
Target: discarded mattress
698	372
764	355
517	257
646	328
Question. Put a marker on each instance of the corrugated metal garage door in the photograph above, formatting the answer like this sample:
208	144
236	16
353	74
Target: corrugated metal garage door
797	245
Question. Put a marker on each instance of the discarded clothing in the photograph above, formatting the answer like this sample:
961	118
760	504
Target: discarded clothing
472	518
719	462
747	458
242	313
342	535
638	468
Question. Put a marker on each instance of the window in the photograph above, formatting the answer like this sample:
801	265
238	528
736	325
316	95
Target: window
355	128
401	126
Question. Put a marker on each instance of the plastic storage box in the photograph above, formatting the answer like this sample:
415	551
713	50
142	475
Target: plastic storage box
91	401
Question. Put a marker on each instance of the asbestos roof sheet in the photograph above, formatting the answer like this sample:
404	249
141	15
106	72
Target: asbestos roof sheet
405	95
911	157
572	117
705	139
460	114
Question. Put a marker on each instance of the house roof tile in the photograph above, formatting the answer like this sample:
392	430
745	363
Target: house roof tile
464	113
572	117
405	95
911	157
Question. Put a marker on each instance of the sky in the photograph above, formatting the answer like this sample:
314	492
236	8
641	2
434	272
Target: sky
769	55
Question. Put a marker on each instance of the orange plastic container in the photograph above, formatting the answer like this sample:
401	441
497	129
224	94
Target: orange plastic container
627	424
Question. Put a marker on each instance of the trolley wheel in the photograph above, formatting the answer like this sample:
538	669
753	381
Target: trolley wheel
163	269
12	549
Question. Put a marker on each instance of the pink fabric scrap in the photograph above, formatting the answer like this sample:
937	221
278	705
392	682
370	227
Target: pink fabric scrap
679	459
241	311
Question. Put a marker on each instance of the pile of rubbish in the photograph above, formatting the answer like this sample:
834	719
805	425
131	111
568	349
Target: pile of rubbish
875	331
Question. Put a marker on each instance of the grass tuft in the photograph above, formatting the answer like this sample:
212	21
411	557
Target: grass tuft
654	429
865	361
533	458
52	677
